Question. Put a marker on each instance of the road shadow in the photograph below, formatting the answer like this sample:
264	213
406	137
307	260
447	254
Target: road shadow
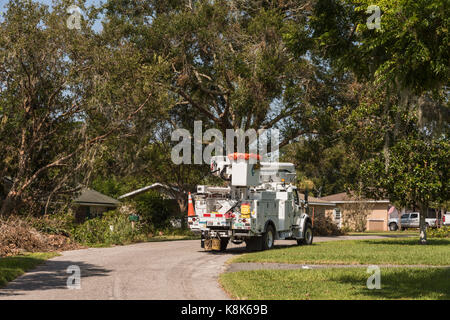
235	250
398	284
49	276
412	241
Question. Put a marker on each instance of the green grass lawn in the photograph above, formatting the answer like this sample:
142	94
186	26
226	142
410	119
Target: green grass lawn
12	267
337	283
381	251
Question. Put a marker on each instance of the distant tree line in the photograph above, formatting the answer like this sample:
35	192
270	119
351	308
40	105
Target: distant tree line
358	108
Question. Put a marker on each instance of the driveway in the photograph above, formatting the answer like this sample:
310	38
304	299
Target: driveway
152	270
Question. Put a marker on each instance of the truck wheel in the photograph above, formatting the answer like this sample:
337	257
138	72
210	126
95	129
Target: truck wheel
268	238
223	244
393	227
308	235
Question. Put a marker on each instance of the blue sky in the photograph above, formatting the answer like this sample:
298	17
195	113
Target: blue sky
97	26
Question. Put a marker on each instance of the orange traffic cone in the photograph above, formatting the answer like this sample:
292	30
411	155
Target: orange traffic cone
191	211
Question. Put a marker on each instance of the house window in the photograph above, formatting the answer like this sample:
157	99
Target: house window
337	217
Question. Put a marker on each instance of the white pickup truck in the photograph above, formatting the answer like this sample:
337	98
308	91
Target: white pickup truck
446	219
410	220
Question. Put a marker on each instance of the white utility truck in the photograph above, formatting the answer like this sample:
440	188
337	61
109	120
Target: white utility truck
259	205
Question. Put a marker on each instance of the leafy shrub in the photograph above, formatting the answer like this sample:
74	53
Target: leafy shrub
442	232
113	227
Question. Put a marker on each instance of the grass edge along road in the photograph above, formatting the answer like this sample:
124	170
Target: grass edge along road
396	251
15	266
346	283
337	283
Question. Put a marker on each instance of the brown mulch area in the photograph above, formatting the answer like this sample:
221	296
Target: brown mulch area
17	237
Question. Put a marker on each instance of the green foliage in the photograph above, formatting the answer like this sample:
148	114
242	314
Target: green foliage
112	228
417	175
442	232
409	51
329	165
115	187
41	136
77	105
404	71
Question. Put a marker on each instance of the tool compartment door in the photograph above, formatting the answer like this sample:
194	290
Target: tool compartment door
285	210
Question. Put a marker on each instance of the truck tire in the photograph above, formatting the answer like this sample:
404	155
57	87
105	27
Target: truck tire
308	235
393	226
268	238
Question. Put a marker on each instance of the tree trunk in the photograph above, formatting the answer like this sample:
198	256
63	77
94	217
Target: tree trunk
422	225
402	212
182	203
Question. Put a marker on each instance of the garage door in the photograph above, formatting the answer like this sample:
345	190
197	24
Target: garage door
377	225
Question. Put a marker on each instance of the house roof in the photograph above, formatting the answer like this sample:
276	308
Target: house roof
92	197
344	197
316	201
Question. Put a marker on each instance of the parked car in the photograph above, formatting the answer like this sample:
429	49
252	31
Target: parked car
411	220
446	219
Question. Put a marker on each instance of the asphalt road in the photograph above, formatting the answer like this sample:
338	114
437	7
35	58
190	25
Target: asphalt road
153	270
